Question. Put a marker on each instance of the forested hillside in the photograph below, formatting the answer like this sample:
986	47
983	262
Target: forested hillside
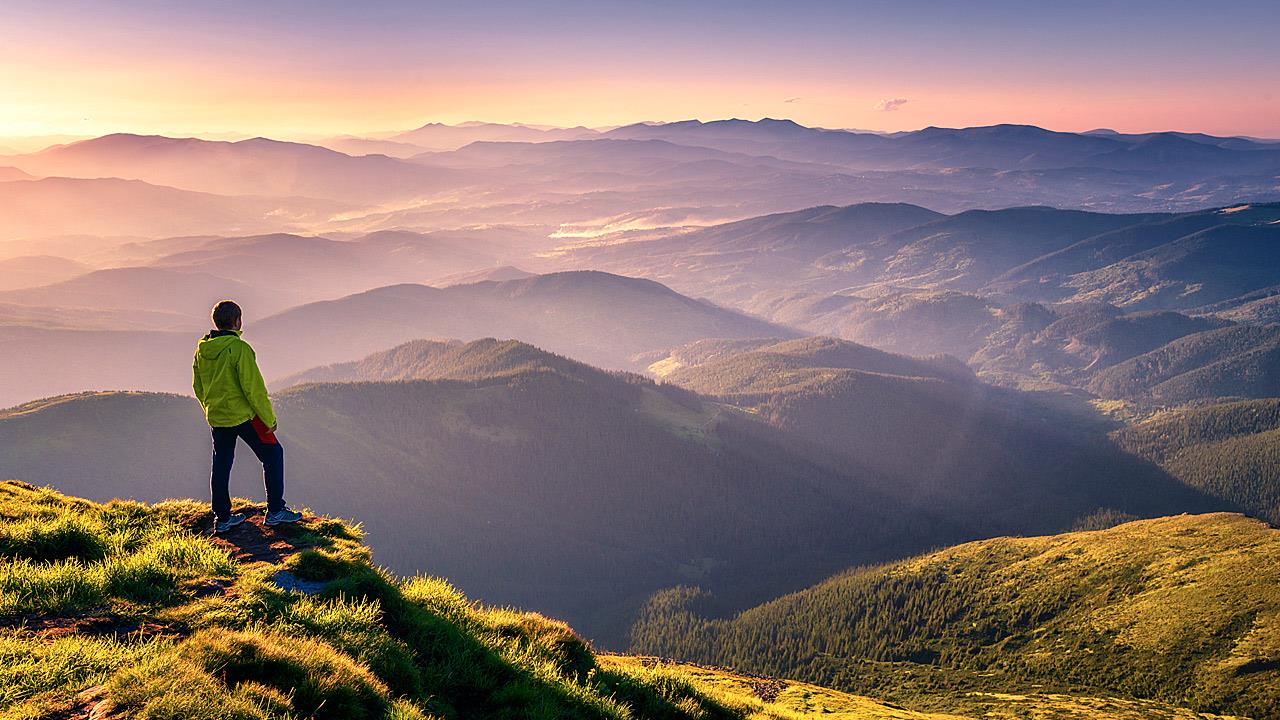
1237	361
123	610
1229	450
1182	610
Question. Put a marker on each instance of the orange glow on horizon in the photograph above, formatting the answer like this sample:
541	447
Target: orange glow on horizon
177	101
73	76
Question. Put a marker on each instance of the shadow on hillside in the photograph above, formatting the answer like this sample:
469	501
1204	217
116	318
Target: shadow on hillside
254	541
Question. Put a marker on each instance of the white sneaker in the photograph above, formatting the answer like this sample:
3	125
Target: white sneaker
282	516
221	526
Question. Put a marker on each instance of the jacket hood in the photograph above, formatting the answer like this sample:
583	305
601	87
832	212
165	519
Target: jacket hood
217	342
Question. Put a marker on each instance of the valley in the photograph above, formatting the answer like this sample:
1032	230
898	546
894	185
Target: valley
154	618
970	422
528	478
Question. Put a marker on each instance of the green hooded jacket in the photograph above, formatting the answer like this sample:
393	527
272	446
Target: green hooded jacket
226	380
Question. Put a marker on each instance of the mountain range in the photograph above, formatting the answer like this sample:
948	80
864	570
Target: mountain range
964	419
636	177
1027	296
602	318
593	317
1004	147
595	490
258	166
1144	261
107	207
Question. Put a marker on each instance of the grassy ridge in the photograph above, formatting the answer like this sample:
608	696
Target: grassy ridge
156	621
769	698
1183	610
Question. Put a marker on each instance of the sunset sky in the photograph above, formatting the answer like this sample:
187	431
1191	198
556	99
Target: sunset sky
303	68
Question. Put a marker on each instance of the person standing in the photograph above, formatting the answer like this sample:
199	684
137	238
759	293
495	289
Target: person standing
229	386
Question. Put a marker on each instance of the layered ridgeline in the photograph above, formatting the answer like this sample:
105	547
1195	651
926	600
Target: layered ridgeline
532	479
553	485
258	166
1027	296
123	610
480	360
1005	146
633	177
1180	610
595	317
1140	261
1147	358
601	318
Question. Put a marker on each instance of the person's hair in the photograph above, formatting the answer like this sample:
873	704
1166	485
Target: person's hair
225	314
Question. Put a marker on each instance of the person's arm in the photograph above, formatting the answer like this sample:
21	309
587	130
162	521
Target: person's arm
254	388
196	386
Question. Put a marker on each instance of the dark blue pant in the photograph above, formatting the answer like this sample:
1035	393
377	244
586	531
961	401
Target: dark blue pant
264	444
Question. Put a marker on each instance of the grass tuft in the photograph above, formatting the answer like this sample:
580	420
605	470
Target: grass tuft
276	673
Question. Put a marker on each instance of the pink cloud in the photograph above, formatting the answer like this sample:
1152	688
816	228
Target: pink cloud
891	104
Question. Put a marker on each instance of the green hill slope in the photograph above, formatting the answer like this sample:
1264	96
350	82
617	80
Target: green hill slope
1184	610
1230	450
1260	307
129	611
1205	267
771	698
970	249
1046	276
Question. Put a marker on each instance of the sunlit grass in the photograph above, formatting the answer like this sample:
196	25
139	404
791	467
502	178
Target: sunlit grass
368	645
64	557
30	669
